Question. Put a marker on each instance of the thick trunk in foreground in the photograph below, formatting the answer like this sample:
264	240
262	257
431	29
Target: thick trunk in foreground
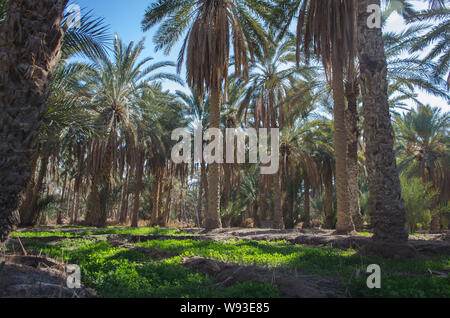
30	42
344	224
213	220
351	123
386	206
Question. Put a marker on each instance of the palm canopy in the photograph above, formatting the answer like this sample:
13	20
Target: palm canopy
114	82
408	73
276	84
211	29
423	146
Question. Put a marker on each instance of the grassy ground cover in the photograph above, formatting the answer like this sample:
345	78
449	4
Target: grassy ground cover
124	272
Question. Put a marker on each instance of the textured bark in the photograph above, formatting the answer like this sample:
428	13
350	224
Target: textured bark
386	206
351	123
278	220
30	42
344	224
213	220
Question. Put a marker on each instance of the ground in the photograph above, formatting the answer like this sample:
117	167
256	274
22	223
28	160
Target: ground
230	263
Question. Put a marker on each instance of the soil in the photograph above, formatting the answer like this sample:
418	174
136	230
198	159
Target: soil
36	277
290	285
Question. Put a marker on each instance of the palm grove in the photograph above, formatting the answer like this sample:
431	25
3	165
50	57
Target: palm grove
90	141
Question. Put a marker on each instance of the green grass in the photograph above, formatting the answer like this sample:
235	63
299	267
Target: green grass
110	231
127	273
118	272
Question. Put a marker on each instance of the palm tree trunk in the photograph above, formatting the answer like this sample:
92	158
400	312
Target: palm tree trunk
386	206
124	207
351	122
307	218
213	220
329	222
166	215
344	224
25	206
30	49
28	212
137	194
278	220
59	217
200	200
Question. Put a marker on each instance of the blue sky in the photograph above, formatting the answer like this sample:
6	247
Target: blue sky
124	17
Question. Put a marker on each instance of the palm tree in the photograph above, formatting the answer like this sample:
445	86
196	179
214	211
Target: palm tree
30	50
329	28
213	28
112	84
65	120
197	110
423	149
387	208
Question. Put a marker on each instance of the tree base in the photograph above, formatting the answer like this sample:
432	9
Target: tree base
389	250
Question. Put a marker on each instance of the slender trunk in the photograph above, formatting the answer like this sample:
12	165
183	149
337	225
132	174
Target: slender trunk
329	222
213	220
124	207
278	221
68	211
30	216
307	217
352	120
25	206
200	200
30	49
344	224
386	206
59	215
137	194
166	215
77	207
156	198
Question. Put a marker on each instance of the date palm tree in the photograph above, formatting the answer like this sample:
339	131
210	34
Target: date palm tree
423	149
329	29
30	49
112	84
212	28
